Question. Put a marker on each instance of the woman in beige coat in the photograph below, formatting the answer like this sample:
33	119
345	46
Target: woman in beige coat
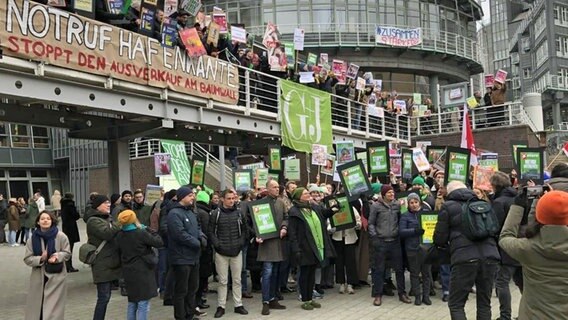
56	202
48	248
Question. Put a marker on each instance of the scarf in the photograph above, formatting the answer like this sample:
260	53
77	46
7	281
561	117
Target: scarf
132	227
48	238
315	228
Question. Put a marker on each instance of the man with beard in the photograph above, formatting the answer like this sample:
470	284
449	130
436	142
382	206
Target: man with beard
142	211
125	203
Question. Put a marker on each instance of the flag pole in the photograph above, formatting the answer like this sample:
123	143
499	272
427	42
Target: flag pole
551	162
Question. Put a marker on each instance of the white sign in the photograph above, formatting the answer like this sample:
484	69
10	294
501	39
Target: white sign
299	39
379	84
376	111
360	84
319	155
398	37
420	160
307	77
239	34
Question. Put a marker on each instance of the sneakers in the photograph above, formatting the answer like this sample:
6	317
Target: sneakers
317	295
350	289
315	304
198	313
274	304
342	288
219	313
445	297
241	310
265	309
307	306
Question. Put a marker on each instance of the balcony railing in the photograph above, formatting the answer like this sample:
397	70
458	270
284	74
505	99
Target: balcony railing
363	35
552	82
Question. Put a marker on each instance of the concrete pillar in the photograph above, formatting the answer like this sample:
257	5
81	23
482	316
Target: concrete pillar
532	103
119	165
222	169
434	94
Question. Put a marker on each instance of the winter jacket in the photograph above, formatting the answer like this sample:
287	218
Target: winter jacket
498	95
227	231
543	258
143	212
448	230
302	243
32	213
136	253
56	200
13	218
99	228
184	236
501	203
383	220
407	226
202	211
69	217
165	208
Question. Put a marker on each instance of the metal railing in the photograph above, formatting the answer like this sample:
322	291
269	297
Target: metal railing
143	148
363	35
551	82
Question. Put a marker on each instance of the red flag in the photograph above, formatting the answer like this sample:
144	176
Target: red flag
467	137
565	149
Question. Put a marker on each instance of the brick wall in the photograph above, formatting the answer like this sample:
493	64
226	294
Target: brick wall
142	173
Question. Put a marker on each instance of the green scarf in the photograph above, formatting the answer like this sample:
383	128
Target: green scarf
315	228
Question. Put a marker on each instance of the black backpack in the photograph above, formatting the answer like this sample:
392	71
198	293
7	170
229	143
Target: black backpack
479	221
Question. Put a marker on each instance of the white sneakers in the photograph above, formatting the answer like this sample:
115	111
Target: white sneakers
343	288
350	289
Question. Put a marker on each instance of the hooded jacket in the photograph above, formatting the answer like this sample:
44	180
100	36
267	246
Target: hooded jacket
184	236
99	228
544	259
448	230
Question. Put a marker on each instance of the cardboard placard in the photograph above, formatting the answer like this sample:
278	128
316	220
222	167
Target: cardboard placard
262	216
345	218
457	165
428	221
378	158
153	193
354	178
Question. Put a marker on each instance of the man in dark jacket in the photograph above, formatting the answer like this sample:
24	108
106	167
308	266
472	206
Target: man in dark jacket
473	263
503	198
183	252
227	233
106	267
202	211
383	230
125	203
142	211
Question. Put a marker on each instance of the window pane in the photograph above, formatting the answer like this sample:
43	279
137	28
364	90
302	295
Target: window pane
19	129
40	131
38	173
20	142
17	173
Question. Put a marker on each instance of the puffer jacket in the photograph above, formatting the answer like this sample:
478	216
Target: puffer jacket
409	222
227	231
543	258
99	228
383	220
501	203
448	231
184	246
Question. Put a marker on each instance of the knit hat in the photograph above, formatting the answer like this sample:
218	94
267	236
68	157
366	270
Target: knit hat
552	208
413	196
127	217
455	185
314	188
183	192
126	192
418	181
376	188
114	197
203	197
98	200
297	193
385	188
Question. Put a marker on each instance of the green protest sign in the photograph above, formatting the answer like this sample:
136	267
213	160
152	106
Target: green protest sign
306	117
290	54
518	144
261	177
428	221
354	178
242	180
292	169
489	160
345	218
378	158
198	172
262	213
407	164
531	164
275	158
179	162
457	165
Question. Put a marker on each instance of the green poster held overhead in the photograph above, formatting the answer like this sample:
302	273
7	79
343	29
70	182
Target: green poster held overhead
179	162
457	165
306	117
242	180
354	177
378	158
312	59
261	177
407	164
198	172
531	164
275	158
292	169
290	54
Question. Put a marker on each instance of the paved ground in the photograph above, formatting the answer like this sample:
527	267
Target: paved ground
81	298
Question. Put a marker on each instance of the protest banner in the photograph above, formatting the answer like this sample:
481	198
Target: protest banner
306	116
423	145
147	16
312	60
169	32
338	69
299	39
277	58
275	158
417	98
261	177
471	102
378	158
319	154
408	170
378	84
428	221
324	59
307	77
345	151
178	161
423	111
198	165
265	225
352	71
530	165
360	84
292	169
354	178
420	160
457	165
329	167
489	80
238	34
375	111
193	45
489	160
363	157
398	37
162	164
114	6
213	32
290	54
396	165
501	76
482	178
191	6
242	180
515	144
170	6
345	218
400	105
112	52
221	20
152	194
252	166
435	153
271	38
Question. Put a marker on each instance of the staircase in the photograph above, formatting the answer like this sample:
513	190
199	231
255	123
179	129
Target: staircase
146	147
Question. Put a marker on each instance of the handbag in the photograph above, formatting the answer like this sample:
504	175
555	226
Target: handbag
53	267
88	252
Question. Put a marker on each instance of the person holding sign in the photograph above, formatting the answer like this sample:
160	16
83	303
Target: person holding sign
383	229
310	243
411	231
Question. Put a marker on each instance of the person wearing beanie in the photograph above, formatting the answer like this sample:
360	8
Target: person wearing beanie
543	256
411	230
472	262
383	230
106	269
202	211
125	203
419	186
310	244
139	262
114	201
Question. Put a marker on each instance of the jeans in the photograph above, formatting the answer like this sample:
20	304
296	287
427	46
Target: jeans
345	268
162	268
269	280
12	237
445	270
307	280
244	277
384	250
480	273
186	283
417	268
504	276
222	264
138	310
103	297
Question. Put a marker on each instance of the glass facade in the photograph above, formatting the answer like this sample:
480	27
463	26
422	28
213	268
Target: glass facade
499	26
13	135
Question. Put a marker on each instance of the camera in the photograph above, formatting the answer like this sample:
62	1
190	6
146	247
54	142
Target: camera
535	192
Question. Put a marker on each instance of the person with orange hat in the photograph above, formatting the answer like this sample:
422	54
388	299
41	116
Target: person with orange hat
543	255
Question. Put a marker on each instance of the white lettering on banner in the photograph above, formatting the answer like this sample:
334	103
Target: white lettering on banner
398	37
458	168
177	152
312	130
531	164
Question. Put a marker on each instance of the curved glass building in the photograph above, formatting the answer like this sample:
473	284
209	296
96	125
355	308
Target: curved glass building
345	30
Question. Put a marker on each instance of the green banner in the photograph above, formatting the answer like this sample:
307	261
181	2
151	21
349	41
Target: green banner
292	169
407	165
378	160
180	164
306	117
198	172
261	177
264	219
275	158
530	165
458	165
242	180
